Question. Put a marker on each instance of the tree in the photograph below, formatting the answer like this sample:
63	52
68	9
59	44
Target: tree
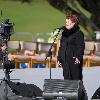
89	11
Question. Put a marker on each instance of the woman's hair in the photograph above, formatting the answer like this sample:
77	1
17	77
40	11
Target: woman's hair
74	18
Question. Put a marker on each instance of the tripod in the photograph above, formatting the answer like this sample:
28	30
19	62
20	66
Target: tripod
7	65
6	70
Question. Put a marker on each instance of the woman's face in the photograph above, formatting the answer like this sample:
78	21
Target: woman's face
69	23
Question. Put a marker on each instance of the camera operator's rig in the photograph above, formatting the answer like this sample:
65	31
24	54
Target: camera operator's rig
6	30
13	90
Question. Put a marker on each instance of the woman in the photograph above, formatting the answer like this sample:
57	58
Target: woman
70	54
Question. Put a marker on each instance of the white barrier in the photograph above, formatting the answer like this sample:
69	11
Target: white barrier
36	76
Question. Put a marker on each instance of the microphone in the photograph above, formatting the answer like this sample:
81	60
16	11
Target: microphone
57	30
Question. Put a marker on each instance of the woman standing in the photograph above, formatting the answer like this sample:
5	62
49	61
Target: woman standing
70	54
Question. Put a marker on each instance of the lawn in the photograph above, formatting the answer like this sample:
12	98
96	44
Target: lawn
38	18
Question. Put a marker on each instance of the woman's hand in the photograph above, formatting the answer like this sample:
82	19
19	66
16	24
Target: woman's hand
77	61
59	64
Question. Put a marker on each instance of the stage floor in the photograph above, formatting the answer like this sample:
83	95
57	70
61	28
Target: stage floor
91	77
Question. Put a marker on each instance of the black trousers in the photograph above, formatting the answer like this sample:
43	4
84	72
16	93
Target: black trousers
71	70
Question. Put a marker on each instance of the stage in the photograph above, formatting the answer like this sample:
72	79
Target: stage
36	76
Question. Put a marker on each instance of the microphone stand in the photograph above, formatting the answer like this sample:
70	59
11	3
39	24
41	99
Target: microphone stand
49	54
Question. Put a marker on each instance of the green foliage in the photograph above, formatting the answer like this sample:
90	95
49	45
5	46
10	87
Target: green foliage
84	11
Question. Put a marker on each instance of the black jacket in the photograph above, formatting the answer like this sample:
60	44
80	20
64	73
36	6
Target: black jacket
71	44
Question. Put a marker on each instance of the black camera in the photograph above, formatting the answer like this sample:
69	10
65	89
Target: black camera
6	29
9	65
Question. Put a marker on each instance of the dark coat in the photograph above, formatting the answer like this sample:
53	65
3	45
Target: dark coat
71	45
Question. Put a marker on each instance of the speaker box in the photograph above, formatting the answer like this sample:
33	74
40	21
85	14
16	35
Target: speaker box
65	89
96	95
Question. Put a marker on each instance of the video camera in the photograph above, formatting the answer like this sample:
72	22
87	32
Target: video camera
6	29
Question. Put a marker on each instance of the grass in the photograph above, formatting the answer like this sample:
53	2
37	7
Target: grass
37	17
